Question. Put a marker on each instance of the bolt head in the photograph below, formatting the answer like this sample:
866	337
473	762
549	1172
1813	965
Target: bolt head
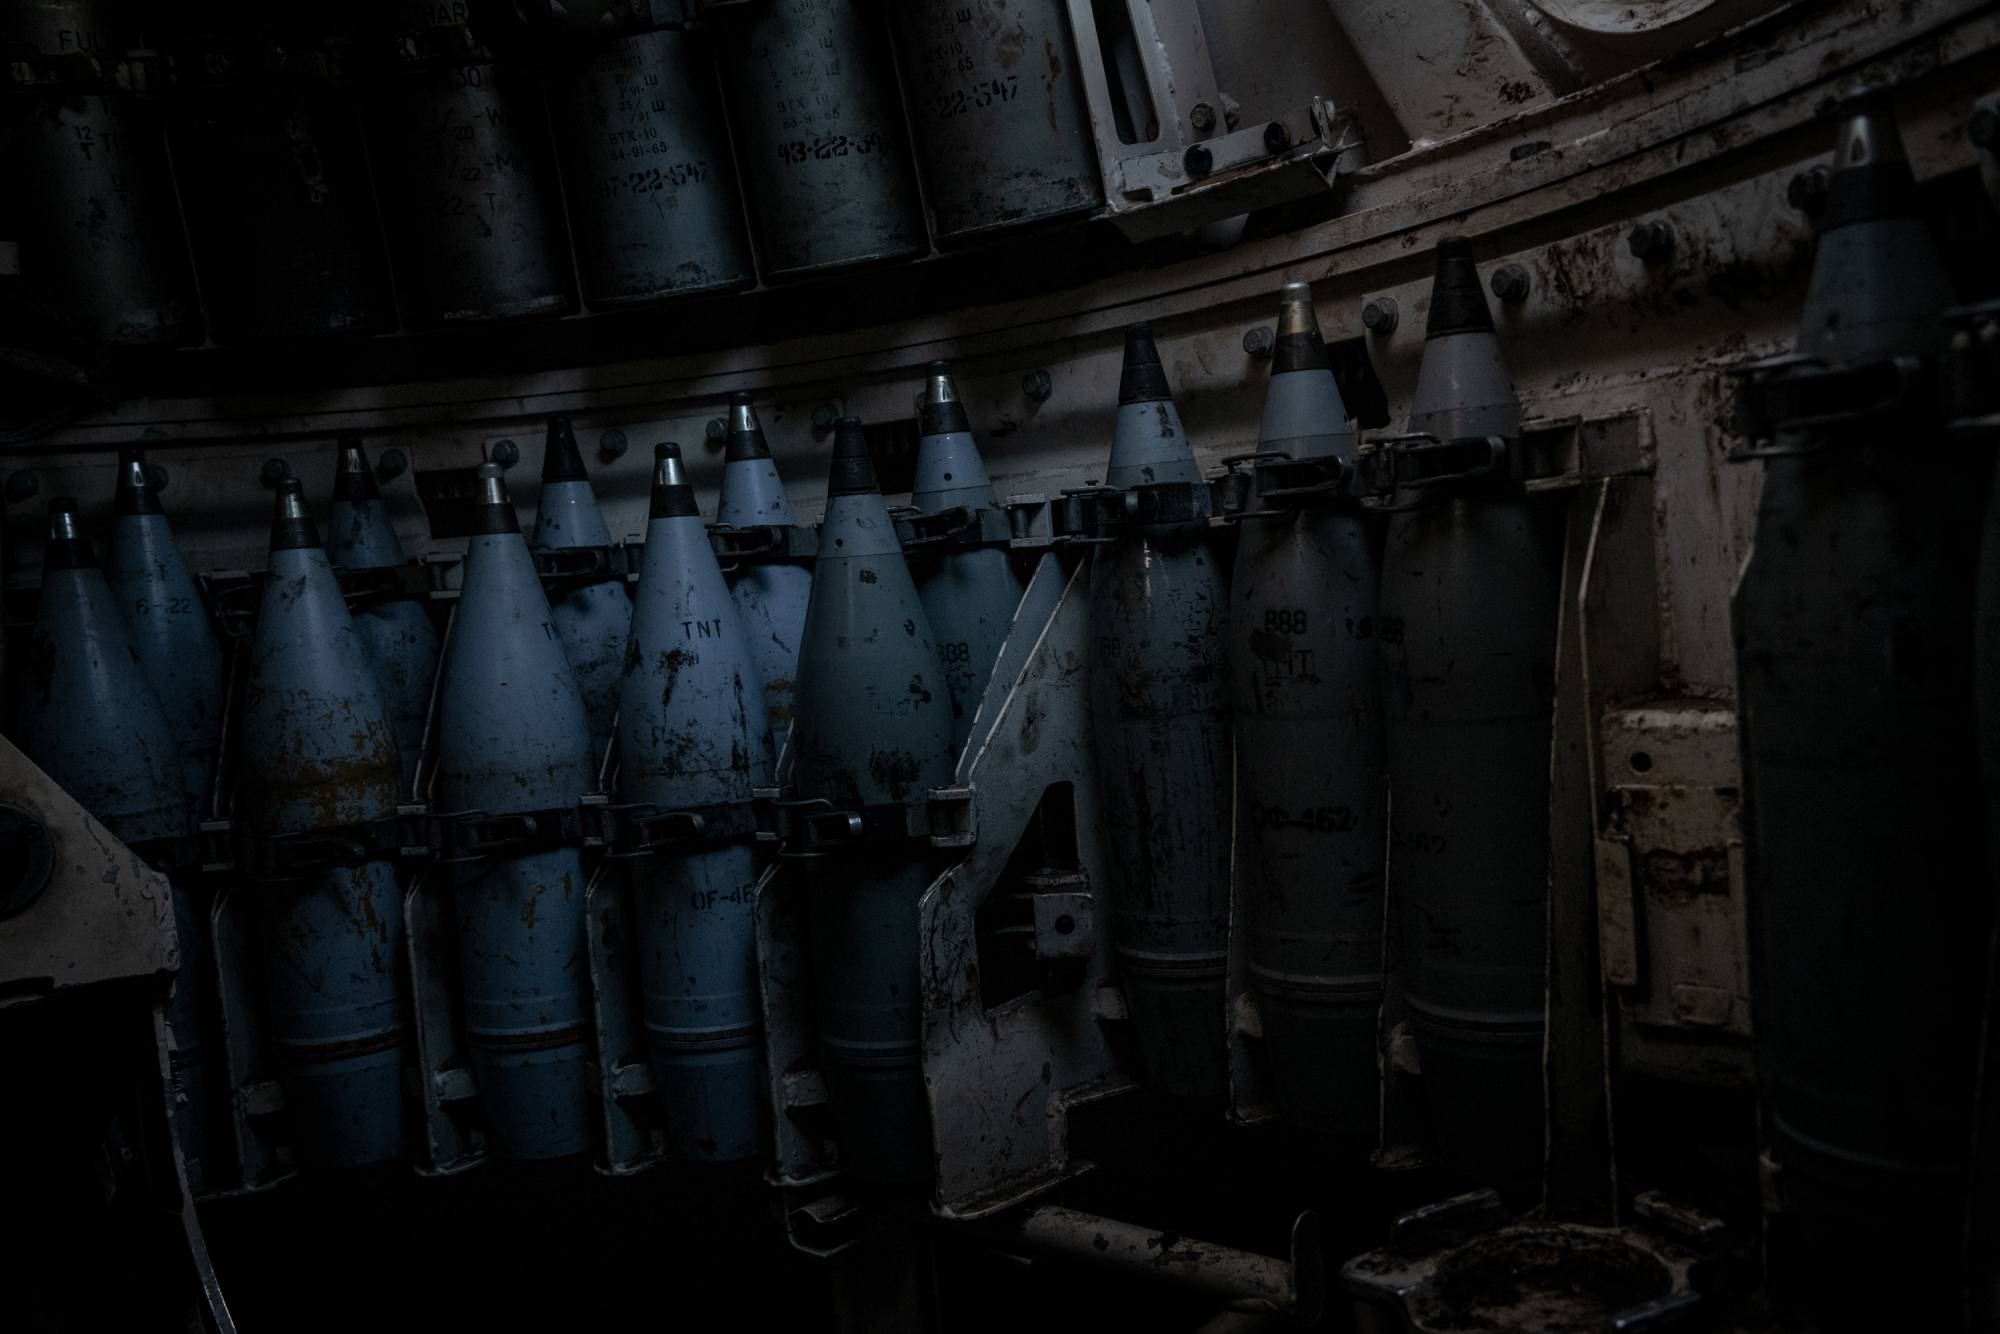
23	485
156	476
1202	117
1039	386
1650	242
273	472
717	429
1379	315
1277	137
1806	191
505	453
612	444
1198	160
824	416
391	464
1260	342
1510	283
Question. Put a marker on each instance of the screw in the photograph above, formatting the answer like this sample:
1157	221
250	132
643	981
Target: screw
391	464
1277	137
1379	316
1260	342
1039	386
1198	160
1984	128
717	429
23	485
1651	242
824	416
1807	191
1510	282
273	472
1202	117
611	445
505	453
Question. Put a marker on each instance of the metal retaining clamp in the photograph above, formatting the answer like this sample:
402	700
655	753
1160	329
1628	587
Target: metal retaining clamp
1266	484
635	831
768	542
955	528
1796	393
815	827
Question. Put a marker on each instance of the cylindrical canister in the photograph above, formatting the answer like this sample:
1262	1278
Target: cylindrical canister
91	720
694	736
468	181
592	613
172	632
770	591
653	205
997	112
1160	705
1868	878
970	592
402	641
819	136
319	754
513	739
274	174
1468	636
93	207
873	732
1311	790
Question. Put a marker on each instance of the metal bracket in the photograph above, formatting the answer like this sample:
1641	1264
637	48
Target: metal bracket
1672	927
104	914
634	1139
453	1140
1001	1082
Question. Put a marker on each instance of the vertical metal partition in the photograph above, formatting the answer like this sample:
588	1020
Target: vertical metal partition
1163	126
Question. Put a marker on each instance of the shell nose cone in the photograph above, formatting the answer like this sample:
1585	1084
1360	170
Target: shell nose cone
1296	315
561	462
1458	303
1144	379
67	547
746	433
353	479
136	493
1871	172
63	526
853	469
1868	132
492	485
668	467
292	527
1299	345
939	388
